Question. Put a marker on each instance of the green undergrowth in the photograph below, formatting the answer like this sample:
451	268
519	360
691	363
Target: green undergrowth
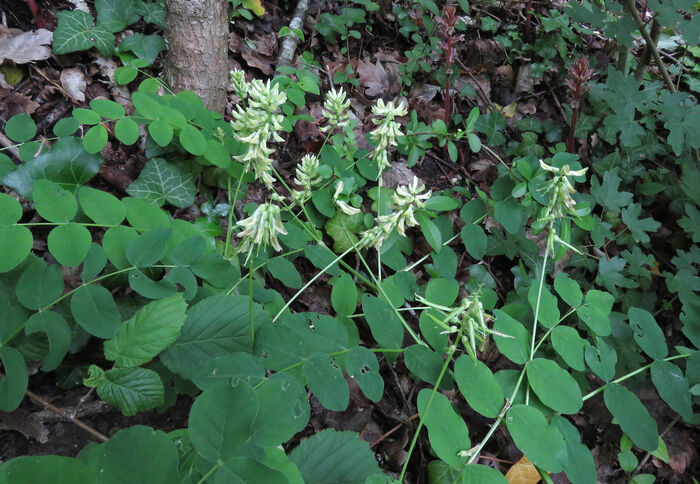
578	277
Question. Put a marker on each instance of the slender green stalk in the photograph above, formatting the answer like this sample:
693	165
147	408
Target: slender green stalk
537	313
232	203
210	472
250	306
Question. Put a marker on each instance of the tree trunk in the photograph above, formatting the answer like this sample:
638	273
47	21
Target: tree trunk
196	32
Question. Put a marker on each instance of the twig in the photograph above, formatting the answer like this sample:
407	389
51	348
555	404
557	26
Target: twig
291	40
9	146
387	434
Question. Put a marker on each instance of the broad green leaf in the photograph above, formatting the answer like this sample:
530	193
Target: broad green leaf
601	359
284	410
647	333
383	321
638	227
102	207
444	263
193	140
116	16
554	386
53	202
325	378
568	290
362	365
332	456
216	270
472	211
482	474
46	468
20	128
16	242
430	231
215	326
14	383
230	367
426	365
10	210
127	131
149	288
107	109
161	182
631	416
161	132
133	390
69	243
509	214
549	313
517	346
95	139
442	291
673	387
479	386
86	116
144	215
596	311
475	240
608	194
221	419
145	47
570	346
149	247
40	286
137	455
581	467
94	310
148	332
447	431
66	126
115	241
344	295
95	261
58	332
66	163
77	31
441	473
541	442
321	257
246	469
610	274
284	271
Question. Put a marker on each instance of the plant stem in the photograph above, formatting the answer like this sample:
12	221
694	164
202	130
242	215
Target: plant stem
229	229
537	313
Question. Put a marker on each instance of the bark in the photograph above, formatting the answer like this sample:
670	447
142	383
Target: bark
196	32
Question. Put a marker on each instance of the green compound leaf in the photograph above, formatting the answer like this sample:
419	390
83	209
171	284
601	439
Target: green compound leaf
447	431
47	468
16	242
86	116
94	310
517	347
95	139
383	321
596	312
221	419
149	247
102	207
114	16
76	31
10	210
673	387
570	346
215	326
362	365
53	202
20	128
554	386
69	243
127	131
479	386
66	126
284	410
161	182
647	333
325	378
148	332
344	295
133	390
58	332
541	442
284	271
426	365
38	287
332	456
107	109
632	416
138	455
568	290
66	163
14	383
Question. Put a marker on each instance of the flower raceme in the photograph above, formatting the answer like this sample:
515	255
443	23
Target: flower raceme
306	176
262	228
560	189
335	110
384	136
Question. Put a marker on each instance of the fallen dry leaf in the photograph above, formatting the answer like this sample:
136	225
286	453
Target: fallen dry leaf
74	82
23	47
523	472
25	423
378	80
524	81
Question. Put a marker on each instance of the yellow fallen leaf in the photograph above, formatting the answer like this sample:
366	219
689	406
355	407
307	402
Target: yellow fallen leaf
255	6
12	74
509	111
523	472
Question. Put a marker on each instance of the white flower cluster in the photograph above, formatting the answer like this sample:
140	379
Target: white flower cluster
262	228
560	189
240	86
342	204
406	199
384	136
256	124
335	110
306	177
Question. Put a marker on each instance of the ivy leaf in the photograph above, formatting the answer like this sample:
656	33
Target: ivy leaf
114	16
491	124
66	163
608	194
152	13
161	182
610	274
76	31
145	47
637	226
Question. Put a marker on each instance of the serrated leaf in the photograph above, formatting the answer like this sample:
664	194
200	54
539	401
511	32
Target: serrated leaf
76	31
148	332
133	390
161	182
